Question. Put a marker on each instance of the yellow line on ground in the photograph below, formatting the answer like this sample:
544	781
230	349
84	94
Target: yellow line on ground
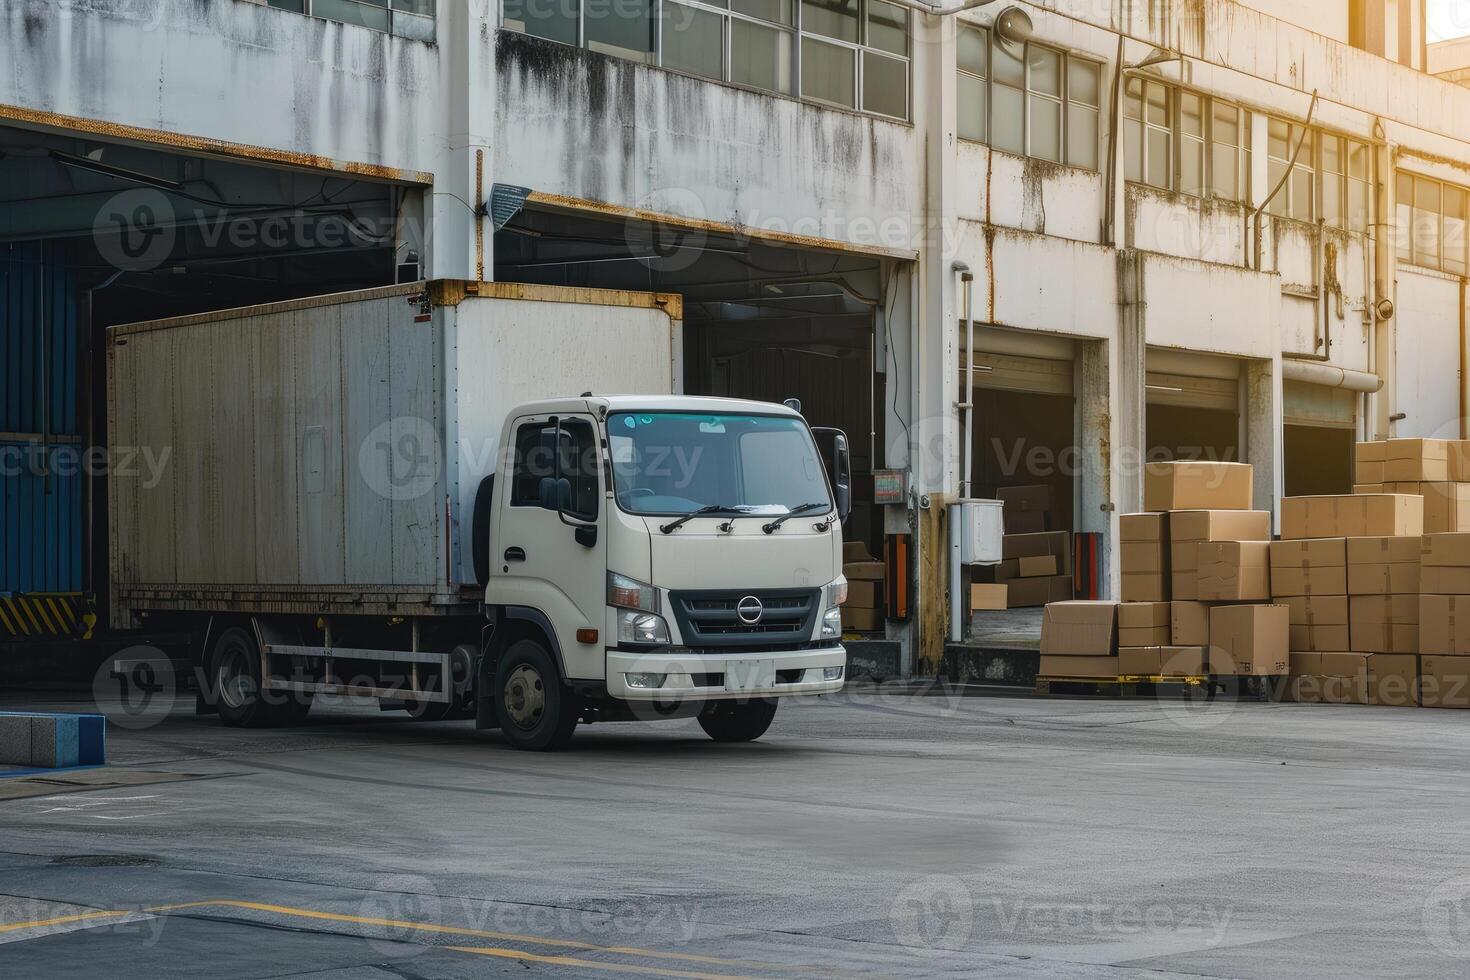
462	931
62	920
648	971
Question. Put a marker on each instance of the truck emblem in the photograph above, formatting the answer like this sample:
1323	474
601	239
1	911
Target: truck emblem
750	610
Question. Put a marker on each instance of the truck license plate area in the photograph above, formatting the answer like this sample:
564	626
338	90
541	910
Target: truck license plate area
749	675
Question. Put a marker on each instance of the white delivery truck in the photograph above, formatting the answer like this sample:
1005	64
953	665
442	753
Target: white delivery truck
422	494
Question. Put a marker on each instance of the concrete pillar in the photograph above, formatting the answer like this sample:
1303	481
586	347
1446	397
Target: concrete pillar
459	241
1129	380
1095	439
1262	423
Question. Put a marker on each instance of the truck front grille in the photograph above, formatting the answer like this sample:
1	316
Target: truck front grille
728	617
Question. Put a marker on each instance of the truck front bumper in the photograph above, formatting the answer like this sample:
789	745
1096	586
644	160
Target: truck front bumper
703	675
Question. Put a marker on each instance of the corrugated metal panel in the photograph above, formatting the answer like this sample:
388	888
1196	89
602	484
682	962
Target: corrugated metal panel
40	488
1309	404
1193	392
1014	372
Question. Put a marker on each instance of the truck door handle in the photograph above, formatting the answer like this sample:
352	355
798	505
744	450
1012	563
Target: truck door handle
515	554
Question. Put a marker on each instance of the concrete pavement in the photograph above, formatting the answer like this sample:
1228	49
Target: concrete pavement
865	835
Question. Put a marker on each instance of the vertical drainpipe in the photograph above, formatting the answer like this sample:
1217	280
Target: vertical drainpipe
1385	255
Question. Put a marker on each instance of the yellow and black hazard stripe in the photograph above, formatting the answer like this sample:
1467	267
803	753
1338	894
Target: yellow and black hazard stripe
48	614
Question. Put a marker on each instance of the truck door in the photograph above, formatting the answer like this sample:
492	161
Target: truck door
555	561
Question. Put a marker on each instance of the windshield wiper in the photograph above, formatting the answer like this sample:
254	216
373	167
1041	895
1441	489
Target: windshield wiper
673	526
772	527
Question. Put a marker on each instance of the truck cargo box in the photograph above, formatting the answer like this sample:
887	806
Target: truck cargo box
324	454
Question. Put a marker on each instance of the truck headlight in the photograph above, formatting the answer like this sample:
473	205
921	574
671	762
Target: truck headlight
638	627
629	593
832	623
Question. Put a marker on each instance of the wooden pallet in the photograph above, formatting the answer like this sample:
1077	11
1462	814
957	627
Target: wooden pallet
1125	686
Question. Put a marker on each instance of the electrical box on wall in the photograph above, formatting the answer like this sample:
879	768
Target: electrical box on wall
890	487
980	530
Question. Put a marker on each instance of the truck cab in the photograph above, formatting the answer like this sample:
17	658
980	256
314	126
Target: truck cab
657	556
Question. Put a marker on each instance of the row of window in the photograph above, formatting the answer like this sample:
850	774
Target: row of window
413	18
849	53
1430	223
1028	98
1178	140
1330	179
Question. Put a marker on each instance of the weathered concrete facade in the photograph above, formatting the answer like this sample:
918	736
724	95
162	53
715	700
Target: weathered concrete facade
1129	281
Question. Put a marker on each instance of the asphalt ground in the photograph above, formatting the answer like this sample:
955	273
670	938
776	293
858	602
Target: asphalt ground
870	834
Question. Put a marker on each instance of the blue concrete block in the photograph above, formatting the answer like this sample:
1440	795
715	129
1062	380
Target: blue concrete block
52	741
91	740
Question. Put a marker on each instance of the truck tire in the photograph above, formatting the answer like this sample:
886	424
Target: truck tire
536	711
738	721
234	679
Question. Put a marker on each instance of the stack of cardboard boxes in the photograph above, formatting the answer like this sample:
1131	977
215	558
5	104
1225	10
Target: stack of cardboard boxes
1079	639
863	611
1198	550
1444	621
1438	470
1346	566
1036	563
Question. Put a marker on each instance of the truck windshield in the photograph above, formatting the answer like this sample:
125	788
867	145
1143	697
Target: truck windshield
673	463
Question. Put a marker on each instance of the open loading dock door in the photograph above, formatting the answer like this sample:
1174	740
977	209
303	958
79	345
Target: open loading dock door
1192	407
1319	426
761	320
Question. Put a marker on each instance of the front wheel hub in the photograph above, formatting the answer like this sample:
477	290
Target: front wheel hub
525	697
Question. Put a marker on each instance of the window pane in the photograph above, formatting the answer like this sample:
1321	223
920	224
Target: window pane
1275	170
828	72
1278	139
555	20
885	85
888	27
374	15
693	40
1332	157
1403	216
1357	205
1224	162
1045	129
1046	70
1082	136
760	56
1191	114
1358	160
1192	166
772	10
1007	119
1132	150
1426	222
1133	99
1158	105
1007	64
619	28
834	18
972	53
1158	163
1332	191
1082	82
1301	193
972	112
1226	127
1454	230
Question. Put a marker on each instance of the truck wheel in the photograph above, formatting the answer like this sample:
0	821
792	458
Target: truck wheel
737	721
234	676
535	709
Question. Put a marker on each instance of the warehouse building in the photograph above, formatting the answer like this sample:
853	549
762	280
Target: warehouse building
1202	228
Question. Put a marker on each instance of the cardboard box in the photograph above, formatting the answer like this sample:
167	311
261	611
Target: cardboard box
1318	623
1023	522
1309	566
1035	498
1351	515
1368	462
855	551
862	620
1198	485
1250	640
989	596
1188	528
1460	460
1027	592
1163	661
1419	460
1383	565
1444	682
1446	507
864	595
1234	570
1447	549
1189	623
1393	680
1143	624
1080	628
863	571
1058	543
1384	623
1444	580
1036	565
1444	625
1053	665
1143	543
1329	678
1368	488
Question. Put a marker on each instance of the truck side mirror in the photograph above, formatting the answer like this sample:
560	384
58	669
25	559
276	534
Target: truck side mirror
835	454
